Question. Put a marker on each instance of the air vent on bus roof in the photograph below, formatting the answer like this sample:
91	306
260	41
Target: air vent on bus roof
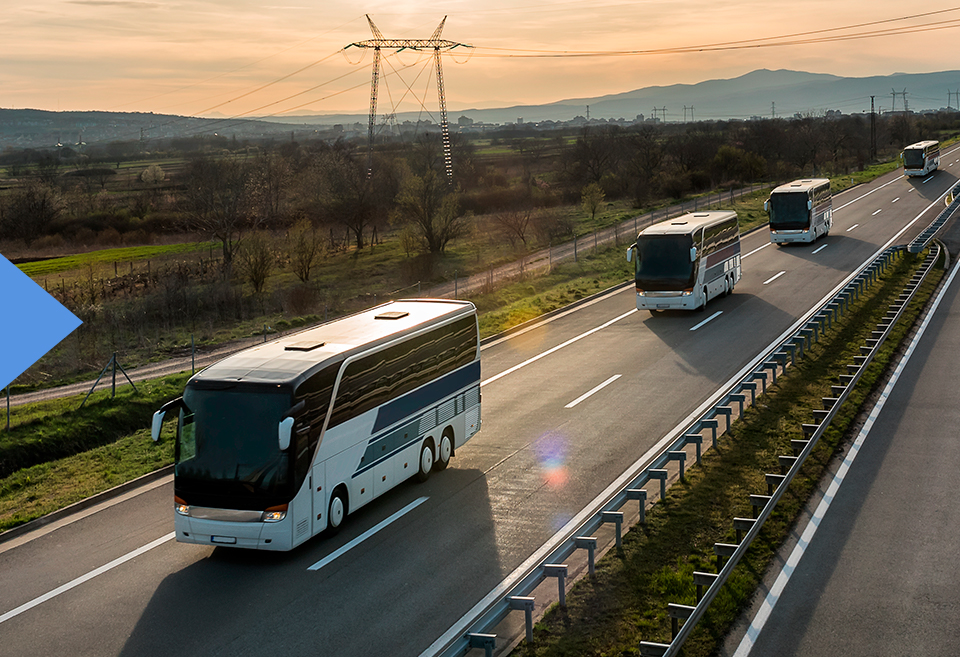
392	314
308	345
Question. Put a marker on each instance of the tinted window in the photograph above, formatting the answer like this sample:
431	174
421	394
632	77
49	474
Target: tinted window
375	379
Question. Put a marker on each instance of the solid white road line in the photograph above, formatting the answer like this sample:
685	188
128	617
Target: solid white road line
818	250
750	638
593	391
772	279
557	348
86	578
367	534
708	319
852	227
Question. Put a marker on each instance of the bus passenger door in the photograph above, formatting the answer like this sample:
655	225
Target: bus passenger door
319	488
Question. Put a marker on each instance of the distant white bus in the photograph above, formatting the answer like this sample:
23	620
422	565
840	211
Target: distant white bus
684	262
921	158
800	211
281	441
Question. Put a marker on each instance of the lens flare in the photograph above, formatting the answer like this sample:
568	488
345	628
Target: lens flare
552	456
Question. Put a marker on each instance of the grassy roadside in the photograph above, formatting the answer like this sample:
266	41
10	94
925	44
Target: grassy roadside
627	600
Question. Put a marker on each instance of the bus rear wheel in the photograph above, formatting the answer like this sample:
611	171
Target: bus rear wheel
426	461
445	451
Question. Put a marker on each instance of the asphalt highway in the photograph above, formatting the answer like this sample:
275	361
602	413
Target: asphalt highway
112	581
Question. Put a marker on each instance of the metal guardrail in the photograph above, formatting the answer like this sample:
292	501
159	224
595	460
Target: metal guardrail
748	528
921	241
765	369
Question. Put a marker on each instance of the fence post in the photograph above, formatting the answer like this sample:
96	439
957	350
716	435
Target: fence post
113	383
456	286
193	356
574	247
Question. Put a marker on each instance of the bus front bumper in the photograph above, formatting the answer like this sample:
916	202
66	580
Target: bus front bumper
250	535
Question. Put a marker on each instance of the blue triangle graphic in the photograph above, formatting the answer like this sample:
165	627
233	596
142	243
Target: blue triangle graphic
31	323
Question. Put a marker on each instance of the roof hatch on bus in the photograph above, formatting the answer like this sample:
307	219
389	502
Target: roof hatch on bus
392	314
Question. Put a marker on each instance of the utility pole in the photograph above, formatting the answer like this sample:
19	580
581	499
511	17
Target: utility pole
663	111
773	110
873	132
685	108
434	43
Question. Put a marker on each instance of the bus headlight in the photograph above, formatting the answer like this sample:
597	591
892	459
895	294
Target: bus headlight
180	506
274	514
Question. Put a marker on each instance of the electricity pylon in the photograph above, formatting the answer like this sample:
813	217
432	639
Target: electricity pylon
434	43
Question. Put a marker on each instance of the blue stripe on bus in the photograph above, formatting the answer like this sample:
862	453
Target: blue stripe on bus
416	401
384	447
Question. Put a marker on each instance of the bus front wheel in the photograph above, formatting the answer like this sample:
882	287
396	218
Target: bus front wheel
426	461
336	512
445	451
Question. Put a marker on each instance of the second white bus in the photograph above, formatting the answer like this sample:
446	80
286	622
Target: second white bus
281	441
921	158
800	211
682	263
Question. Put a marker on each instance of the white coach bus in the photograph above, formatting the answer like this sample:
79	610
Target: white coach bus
921	158
686	261
800	211
281	441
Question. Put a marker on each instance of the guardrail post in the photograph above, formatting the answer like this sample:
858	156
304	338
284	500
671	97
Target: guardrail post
726	412
694	439
798	446
758	502
786	462
701	580
792	348
651	649
723	551
588	543
486	641
657	473
640	495
682	458
616	517
752	387
676	612
742	525
762	377
713	424
773	370
525	604
773	482
739	398
560	572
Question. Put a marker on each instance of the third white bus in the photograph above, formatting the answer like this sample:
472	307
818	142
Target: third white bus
921	158
684	262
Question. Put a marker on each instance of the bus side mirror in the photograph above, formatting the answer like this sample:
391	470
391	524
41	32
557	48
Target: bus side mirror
693	254
286	429
630	250
809	204
157	422
766	206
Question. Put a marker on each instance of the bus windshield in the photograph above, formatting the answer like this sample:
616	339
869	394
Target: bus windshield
228	443
789	211
663	262
913	158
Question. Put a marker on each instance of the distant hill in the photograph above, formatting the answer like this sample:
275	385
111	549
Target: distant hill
761	93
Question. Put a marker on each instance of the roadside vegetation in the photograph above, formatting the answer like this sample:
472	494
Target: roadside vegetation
626	601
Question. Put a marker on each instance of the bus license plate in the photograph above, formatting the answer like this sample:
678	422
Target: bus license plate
226	540
663	305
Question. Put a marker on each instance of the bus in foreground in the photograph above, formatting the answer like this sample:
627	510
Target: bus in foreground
281	441
921	158
684	262
800	211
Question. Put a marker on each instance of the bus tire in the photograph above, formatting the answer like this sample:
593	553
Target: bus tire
336	512
703	306
426	461
445	450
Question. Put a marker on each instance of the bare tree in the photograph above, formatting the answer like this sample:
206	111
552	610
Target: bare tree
591	197
427	203
257	259
305	246
515	224
29	210
216	202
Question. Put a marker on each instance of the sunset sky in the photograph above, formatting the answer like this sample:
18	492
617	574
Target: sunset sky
213	57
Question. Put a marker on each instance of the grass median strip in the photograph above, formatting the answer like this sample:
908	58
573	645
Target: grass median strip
626	601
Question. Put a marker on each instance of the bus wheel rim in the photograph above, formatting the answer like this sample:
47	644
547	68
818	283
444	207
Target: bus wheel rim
426	459
446	449
336	511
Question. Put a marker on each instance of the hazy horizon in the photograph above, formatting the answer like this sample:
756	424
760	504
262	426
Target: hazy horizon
218	58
